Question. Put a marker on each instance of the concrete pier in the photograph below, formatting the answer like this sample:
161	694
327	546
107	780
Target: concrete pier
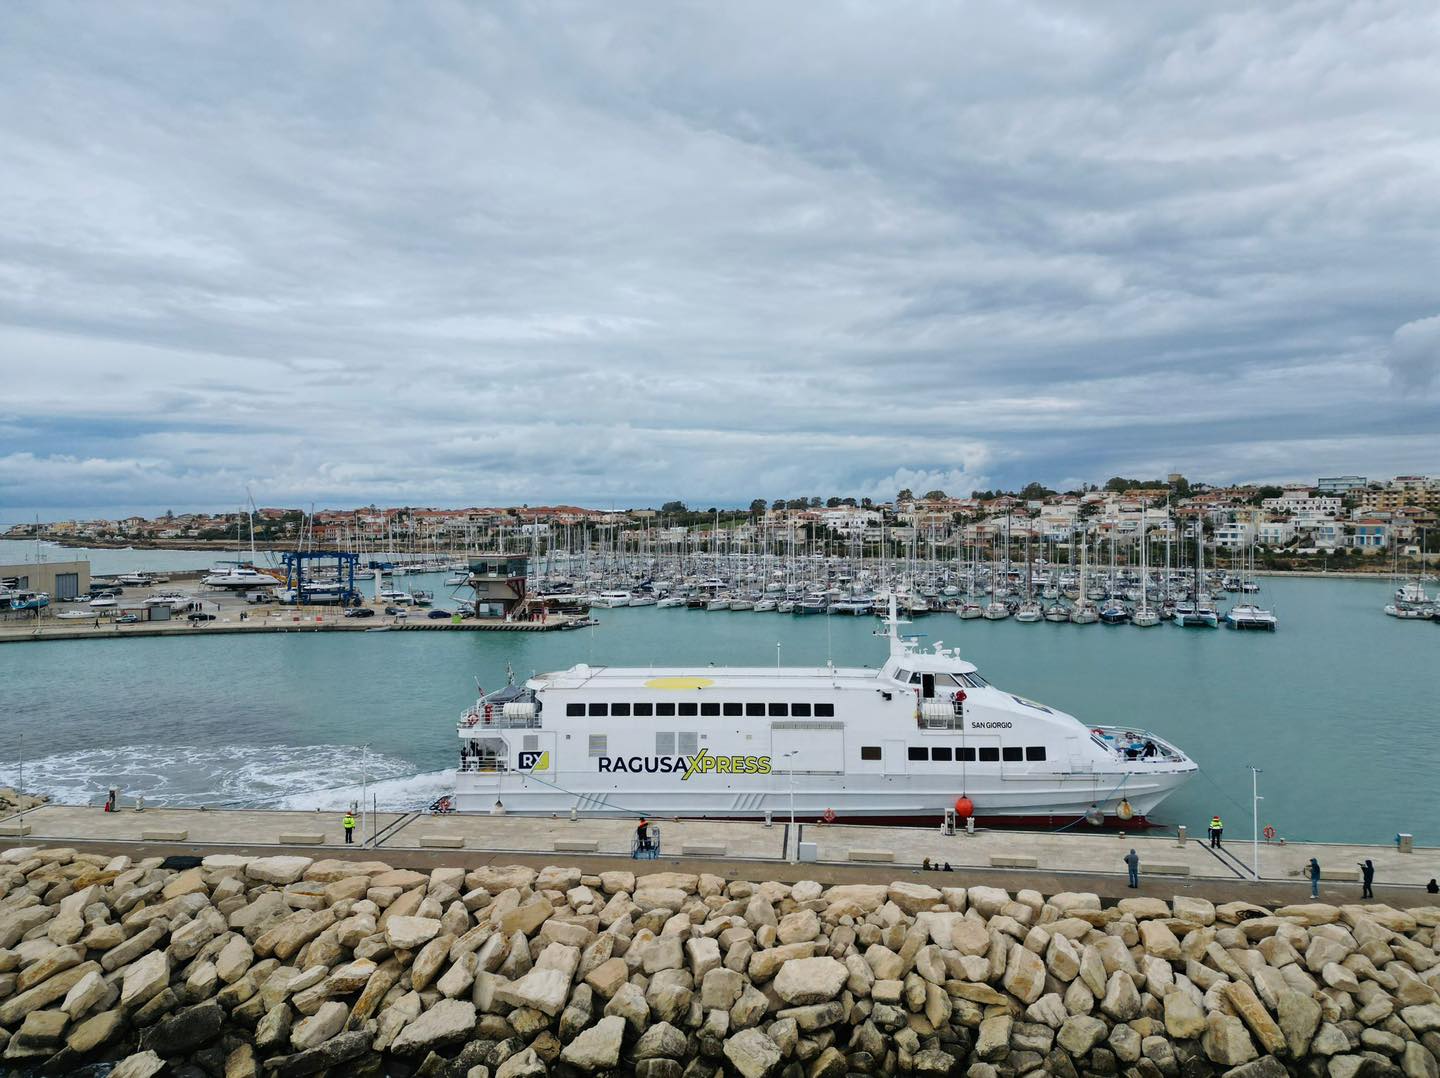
1062	861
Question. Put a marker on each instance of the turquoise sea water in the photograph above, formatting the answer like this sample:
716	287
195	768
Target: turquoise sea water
1338	708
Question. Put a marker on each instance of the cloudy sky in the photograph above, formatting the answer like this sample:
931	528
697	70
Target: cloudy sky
445	253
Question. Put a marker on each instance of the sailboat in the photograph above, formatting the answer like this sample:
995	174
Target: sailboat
1196	613
1029	610
1084	612
1144	617
1248	615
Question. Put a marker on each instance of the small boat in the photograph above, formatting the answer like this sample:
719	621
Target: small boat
718	603
1145	618
995	611
1029	611
670	601
1249	616
644	600
1114	613
77	615
970	611
1057	612
764	606
1084	613
818	603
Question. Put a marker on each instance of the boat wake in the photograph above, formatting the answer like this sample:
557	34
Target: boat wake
235	776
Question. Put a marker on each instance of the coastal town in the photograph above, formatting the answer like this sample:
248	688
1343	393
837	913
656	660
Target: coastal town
1330	518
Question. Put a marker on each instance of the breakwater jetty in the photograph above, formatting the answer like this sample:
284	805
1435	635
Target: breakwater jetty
238	965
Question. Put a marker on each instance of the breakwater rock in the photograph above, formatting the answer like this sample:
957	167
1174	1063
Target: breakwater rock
237	967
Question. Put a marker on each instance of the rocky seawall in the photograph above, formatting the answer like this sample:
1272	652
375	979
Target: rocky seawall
237	967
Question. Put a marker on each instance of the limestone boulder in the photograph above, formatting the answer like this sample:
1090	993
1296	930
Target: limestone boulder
448	1022
277	870
596	1048
752	1054
810	980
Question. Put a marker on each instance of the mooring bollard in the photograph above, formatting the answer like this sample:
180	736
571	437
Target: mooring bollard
1180	835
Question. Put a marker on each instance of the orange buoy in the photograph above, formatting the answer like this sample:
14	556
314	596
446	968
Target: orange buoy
964	808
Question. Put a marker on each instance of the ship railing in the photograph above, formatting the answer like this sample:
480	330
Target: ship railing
475	718
483	767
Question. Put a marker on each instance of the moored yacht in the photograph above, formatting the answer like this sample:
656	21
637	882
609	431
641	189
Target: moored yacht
898	744
238	577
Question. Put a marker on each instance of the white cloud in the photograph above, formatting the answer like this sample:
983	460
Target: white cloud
1414	355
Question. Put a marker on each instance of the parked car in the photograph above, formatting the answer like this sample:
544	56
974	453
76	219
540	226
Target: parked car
200	615
127	619
437	615
360	612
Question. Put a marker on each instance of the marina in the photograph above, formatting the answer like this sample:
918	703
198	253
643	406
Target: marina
278	720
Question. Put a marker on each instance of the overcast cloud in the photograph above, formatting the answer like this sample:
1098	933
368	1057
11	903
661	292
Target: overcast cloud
447	253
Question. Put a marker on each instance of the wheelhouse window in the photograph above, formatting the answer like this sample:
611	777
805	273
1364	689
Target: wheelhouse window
941	752
665	709
754	710
989	756
824	711
800	711
919	752
1012	753
778	711
1035	753
733	708
622	710
600	710
644	711
965	756
869	752
574	710
689	709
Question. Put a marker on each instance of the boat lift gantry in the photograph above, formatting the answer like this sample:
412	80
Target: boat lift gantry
345	565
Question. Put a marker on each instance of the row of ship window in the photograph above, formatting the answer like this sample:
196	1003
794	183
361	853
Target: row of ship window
965	754
730	709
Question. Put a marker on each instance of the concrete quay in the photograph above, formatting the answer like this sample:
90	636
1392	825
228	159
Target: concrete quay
845	853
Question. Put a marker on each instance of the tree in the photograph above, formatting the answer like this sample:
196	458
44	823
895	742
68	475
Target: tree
832	502
866	503
815	502
905	496
757	507
1034	492
934	495
848	501
1264	492
674	507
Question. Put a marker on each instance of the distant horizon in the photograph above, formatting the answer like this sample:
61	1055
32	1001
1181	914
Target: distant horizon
10	516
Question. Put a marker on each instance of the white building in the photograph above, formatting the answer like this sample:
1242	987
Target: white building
1236	533
1275	532
1302	501
1340	484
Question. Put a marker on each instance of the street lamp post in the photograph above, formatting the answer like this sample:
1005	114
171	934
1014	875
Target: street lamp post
364	788
1255	802
795	837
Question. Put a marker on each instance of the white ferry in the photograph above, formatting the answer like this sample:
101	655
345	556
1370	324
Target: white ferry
923	734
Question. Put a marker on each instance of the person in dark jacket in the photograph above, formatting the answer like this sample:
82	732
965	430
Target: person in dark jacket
1367	879
1314	874
1132	862
1433	886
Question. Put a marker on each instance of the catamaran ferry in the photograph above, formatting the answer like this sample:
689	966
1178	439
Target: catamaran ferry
903	744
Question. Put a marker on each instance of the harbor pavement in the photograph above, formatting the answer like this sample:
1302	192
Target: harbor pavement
849	853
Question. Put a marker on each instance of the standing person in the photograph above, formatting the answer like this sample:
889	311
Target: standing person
1367	877
349	825
1216	829
1132	862
642	835
1314	874
1433	887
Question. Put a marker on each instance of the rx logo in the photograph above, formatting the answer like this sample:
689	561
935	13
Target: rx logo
534	761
